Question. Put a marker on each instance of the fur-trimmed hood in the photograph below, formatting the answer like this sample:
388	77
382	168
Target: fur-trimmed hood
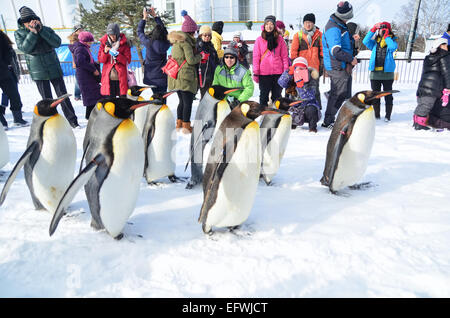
179	37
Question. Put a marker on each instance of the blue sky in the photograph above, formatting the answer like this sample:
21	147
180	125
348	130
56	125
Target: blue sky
366	12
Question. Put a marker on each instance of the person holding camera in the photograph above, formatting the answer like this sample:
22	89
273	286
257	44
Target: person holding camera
381	41
156	46
241	47
38	42
115	54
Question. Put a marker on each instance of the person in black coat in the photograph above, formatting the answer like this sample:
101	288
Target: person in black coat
87	71
433	86
8	82
209	61
156	45
242	48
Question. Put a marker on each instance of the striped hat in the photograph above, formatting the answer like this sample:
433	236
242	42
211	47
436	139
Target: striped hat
26	15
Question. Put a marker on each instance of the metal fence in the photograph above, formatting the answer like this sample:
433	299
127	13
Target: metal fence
405	73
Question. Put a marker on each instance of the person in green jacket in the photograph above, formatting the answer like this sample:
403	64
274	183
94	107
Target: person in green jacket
38	42
186	83
232	74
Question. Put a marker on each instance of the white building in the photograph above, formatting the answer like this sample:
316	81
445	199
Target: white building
234	13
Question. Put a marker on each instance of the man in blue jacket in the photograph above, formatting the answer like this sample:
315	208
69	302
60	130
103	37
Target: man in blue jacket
337	57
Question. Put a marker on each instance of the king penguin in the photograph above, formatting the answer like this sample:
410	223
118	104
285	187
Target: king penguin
112	176
139	93
275	132
351	141
4	148
50	156
211	111
159	140
232	172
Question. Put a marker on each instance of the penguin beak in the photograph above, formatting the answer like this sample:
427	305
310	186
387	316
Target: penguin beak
168	94
382	94
134	107
297	102
146	87
231	91
59	100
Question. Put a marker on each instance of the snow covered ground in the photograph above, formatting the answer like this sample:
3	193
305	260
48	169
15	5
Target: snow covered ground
391	240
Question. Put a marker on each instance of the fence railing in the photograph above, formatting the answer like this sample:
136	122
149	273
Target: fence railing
405	73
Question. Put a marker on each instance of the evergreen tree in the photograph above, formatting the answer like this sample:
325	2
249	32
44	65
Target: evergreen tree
126	13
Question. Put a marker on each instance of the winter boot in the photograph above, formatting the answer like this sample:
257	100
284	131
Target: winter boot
179	124
187	129
18	120
420	123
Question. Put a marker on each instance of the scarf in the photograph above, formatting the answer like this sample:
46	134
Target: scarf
115	46
272	41
89	50
309	34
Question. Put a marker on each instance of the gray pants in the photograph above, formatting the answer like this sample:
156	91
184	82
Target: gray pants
338	93
424	105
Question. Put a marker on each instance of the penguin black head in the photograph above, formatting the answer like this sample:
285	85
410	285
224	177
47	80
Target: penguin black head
160	98
47	107
283	103
134	92
122	107
220	92
250	109
365	98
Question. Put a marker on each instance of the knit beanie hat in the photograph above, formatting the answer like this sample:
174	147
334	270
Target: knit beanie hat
85	37
271	18
77	27
437	43
113	29
344	10
218	27
26	15
310	17
280	25
230	51
237	35
189	25
300	61
205	29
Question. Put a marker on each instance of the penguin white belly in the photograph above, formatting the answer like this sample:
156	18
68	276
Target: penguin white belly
355	153
4	148
140	116
54	170
161	151
120	189
223	109
237	189
274	151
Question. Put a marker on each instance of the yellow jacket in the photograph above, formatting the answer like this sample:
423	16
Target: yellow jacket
217	42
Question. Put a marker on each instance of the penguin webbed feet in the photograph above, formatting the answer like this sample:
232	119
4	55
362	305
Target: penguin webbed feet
119	237
174	179
362	186
191	184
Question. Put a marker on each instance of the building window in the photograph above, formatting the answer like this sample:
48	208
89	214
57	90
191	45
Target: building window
170	8
244	10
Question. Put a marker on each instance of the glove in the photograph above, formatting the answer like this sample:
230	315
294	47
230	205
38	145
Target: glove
239	44
445	94
113	52
375	27
256	78
205	57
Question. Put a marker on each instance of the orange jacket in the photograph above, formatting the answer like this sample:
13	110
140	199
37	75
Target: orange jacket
301	48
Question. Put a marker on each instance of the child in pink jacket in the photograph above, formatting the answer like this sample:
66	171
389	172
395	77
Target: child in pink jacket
270	60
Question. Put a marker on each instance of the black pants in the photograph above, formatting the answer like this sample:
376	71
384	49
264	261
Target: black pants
267	84
88	111
114	88
10	89
311	116
389	99
60	89
185	105
338	93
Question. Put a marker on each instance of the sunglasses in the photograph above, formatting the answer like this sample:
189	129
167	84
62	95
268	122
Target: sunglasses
206	35
229	57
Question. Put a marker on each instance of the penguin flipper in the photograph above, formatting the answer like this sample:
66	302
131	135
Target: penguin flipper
344	135
195	143
26	155
82	157
82	178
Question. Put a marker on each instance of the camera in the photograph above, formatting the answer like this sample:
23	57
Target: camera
149	9
37	27
383	26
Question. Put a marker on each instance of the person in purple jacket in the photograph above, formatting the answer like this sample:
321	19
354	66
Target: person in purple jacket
87	71
156	45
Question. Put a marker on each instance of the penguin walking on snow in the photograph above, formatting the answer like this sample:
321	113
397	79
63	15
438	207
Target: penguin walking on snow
275	132
159	143
50	156
232	172
211	111
351	141
115	168
139	93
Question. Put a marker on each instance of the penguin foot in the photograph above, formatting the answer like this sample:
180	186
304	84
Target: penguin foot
175	179
362	186
239	232
119	237
207	229
190	185
154	184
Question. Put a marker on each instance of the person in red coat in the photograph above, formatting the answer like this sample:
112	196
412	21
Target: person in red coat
115	54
